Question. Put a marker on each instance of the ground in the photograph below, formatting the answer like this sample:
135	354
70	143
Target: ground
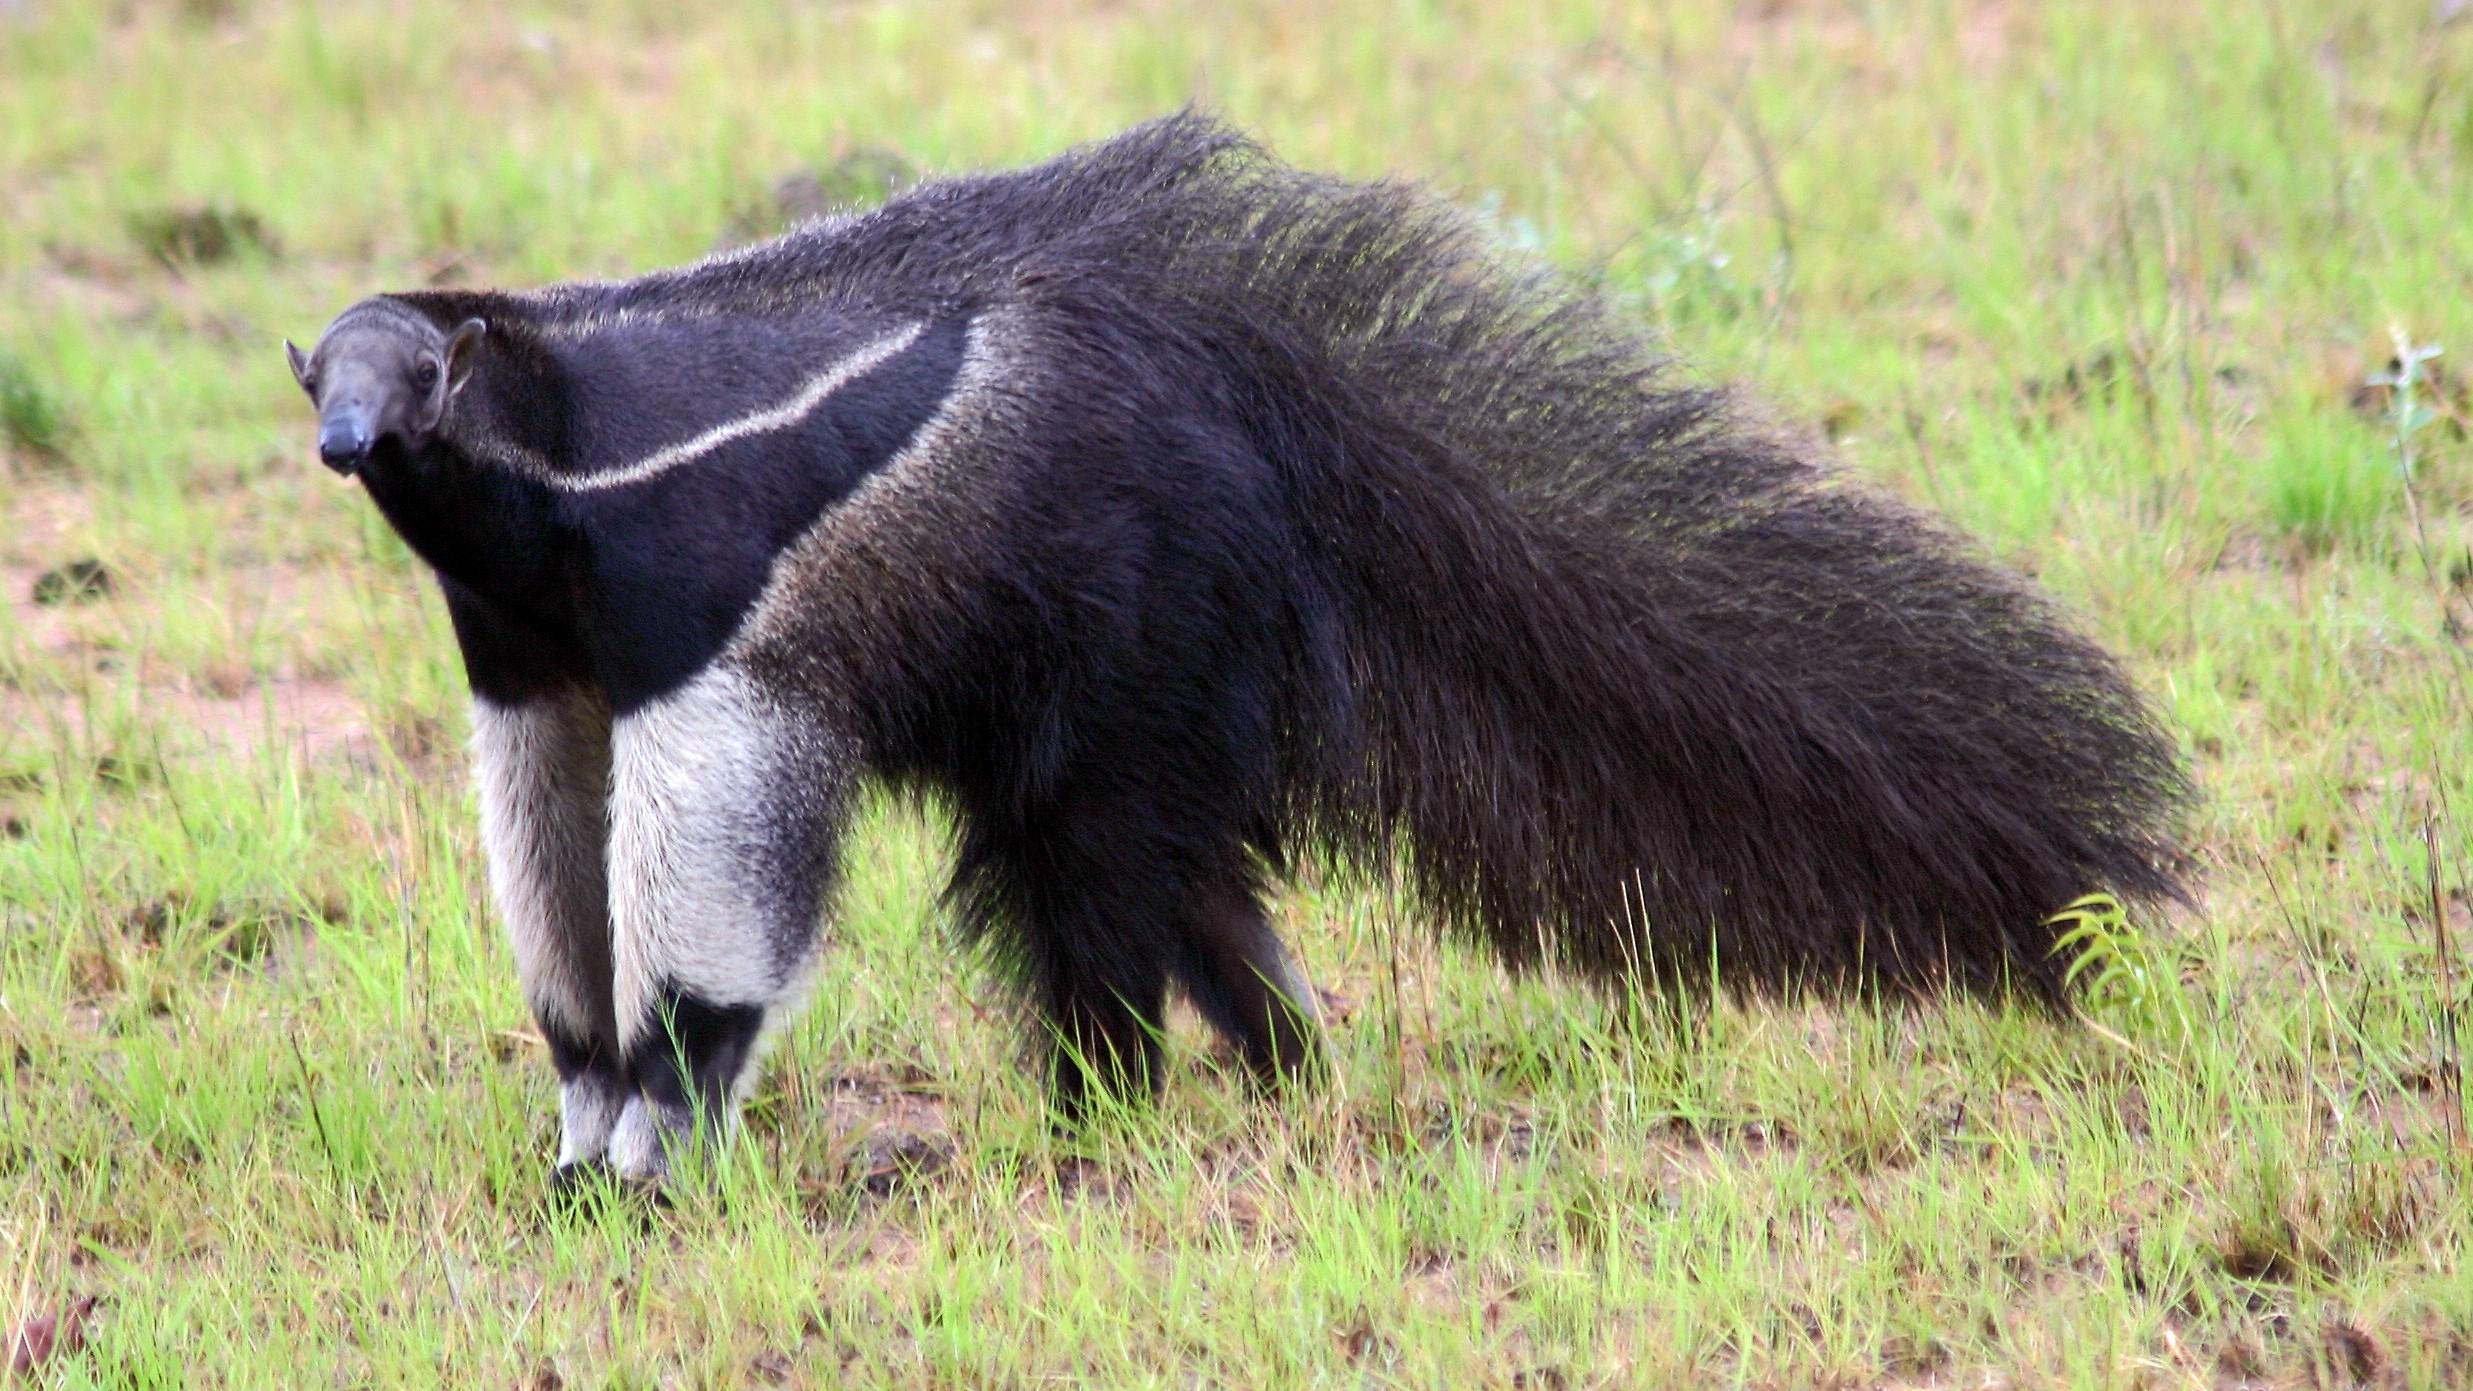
2126	291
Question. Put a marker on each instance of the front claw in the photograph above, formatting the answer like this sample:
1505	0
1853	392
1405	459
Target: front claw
572	1182
588	1187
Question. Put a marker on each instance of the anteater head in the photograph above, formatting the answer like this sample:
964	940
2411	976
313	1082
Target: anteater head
383	378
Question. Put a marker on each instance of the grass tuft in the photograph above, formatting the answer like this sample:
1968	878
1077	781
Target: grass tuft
33	426
208	235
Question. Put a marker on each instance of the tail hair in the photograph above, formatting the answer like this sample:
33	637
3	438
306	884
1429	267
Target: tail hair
1629	684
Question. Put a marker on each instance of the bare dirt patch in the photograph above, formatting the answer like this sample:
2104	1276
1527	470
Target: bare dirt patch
69	670
315	719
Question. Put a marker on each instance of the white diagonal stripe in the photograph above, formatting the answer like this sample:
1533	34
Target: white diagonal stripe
789	412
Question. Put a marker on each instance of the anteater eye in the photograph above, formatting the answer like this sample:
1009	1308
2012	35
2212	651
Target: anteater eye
426	375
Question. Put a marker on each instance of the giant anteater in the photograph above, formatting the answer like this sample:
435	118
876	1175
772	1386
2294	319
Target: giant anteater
1172	513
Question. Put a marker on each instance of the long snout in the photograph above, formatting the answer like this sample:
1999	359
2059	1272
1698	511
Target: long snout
347	431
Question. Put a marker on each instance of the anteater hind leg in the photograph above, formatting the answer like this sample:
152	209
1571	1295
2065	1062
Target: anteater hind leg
1073	892
1103	990
543	765
1104	1019
724	807
1247	983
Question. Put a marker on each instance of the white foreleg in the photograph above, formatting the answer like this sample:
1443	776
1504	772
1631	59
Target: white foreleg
725	802
543	767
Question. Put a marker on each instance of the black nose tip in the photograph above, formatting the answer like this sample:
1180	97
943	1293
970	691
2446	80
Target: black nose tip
343	444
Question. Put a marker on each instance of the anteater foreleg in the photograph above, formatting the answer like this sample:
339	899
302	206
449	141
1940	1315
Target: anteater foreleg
725	802
543	765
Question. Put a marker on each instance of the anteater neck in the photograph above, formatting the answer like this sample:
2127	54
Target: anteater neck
489	532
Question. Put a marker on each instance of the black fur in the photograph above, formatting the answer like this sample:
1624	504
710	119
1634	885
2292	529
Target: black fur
1312	526
641	585
698	1048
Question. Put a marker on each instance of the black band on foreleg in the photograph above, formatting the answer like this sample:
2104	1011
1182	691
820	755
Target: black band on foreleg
573	1055
687	1058
592	1093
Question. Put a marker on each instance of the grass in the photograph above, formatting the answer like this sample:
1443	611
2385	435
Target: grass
30	421
2106	284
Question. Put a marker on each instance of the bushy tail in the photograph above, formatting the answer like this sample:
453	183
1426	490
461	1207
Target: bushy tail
1629	685
1647	690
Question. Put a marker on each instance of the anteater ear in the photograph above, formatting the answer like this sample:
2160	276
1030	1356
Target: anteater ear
299	361
460	352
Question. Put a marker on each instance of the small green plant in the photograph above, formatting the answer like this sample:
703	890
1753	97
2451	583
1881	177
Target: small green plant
2402	380
32	424
1682	272
2324	484
2406	373
2121	970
